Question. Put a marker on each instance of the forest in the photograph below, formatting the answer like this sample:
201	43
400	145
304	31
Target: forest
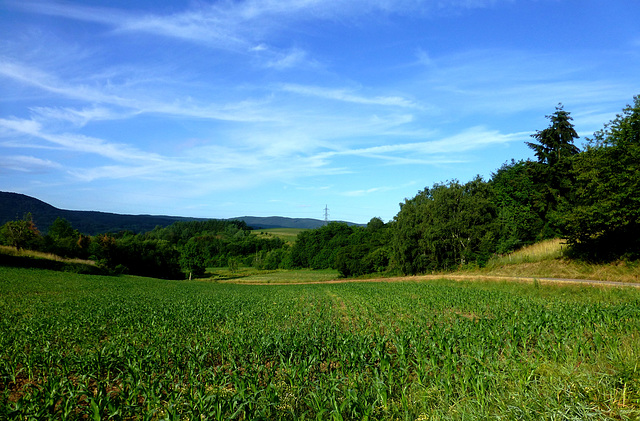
589	197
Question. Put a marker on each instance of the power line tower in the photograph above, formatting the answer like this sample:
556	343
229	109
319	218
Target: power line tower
326	215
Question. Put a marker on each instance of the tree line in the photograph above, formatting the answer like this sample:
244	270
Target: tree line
589	197
179	250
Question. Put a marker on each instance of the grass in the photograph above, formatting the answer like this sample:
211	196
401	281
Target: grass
12	251
542	251
547	260
568	269
10	256
76	346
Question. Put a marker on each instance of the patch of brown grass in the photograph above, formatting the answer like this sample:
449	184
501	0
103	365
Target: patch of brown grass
538	252
12	251
546	260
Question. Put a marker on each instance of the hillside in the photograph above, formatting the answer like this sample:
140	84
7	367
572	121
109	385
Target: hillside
14	206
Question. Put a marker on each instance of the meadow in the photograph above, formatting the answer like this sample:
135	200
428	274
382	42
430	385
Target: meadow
96	347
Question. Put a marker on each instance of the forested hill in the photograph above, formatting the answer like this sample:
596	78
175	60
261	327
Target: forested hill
14	206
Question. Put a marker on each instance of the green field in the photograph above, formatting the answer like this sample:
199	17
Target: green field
289	235
95	347
249	275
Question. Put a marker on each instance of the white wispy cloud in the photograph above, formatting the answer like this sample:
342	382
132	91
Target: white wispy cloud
27	164
379	189
38	78
288	59
422	152
72	11
145	102
364	192
221	25
72	141
347	96
509	81
424	58
235	25
139	172
79	117
301	132
209	26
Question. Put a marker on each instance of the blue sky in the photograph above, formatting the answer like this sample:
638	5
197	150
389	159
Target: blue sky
280	107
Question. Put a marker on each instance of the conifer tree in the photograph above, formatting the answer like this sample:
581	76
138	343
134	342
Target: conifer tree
556	141
553	172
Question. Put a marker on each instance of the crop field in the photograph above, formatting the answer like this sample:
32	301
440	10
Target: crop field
127	348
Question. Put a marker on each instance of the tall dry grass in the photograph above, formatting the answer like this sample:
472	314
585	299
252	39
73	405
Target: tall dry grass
12	251
542	251
547	259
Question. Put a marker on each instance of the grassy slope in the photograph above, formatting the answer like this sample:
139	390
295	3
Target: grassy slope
12	251
546	260
10	256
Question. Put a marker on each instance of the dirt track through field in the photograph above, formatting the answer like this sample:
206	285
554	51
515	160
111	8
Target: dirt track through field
454	277
532	278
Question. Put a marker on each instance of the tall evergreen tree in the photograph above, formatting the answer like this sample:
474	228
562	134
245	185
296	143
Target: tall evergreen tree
556	141
553	173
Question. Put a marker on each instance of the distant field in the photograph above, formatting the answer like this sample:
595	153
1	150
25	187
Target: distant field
95	347
287	234
299	276
249	275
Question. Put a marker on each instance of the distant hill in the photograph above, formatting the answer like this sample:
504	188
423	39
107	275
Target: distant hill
15	205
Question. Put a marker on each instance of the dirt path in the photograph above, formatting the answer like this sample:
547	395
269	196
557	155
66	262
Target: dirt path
456	277
532	278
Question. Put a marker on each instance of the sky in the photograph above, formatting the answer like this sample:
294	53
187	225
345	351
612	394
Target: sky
221	109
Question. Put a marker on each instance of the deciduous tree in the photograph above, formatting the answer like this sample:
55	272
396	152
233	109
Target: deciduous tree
445	226
520	205
604	222
20	234
193	258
